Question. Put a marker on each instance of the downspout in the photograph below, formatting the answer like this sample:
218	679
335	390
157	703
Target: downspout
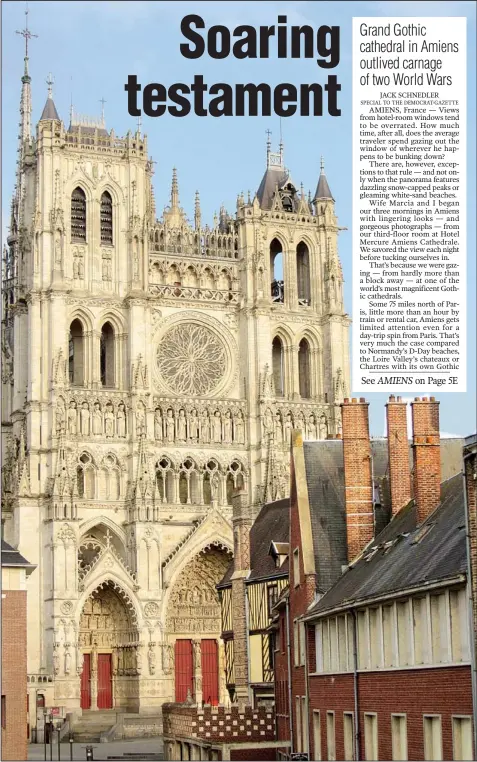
355	686
290	709
307	693
247	645
473	666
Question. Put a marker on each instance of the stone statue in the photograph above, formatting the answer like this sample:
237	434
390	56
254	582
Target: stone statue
300	422
227	428
181	427
217	425
56	660
72	413
151	657
140	421
205	428
60	419
288	428
268	421
267	382
121	421
67	662
109	421
79	662
84	418
158	424
194	426
170	426
312	429
278	429
239	428
214	487
323	425
97	419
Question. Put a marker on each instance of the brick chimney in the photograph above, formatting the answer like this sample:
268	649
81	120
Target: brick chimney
357	475
426	456
398	452
242	524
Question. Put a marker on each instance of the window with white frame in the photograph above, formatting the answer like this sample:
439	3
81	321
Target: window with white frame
316	735
330	736
421	635
459	630
342	644
296	567
399	736
375	638
334	644
439	633
462	738
389	635
403	618
296	643
304	724
363	639
432	737
348	735
371	736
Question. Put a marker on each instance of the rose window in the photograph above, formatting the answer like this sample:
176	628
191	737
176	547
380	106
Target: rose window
191	359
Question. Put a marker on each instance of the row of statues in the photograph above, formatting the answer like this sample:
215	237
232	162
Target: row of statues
208	426
281	427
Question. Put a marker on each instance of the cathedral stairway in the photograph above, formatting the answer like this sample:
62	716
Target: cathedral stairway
92	723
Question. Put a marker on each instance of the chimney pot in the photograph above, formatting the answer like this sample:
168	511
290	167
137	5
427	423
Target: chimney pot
392	398
362	399
432	399
346	400
399	399
416	399
354	400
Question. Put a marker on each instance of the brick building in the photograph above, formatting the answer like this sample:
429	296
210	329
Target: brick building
15	570
374	622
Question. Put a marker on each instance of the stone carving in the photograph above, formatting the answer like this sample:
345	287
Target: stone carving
60	418
205	427
278	429
323	426
170	426
79	662
66	607
182	426
67	659
97	420
107	264
121	421
78	263
151	658
311	427
194	426
72	418
140	419
288	428
194	604
56	659
239	428
84	419
167	651
227	428
191	359
152	609
158	433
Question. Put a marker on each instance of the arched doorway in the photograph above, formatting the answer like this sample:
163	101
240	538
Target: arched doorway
193	626
109	646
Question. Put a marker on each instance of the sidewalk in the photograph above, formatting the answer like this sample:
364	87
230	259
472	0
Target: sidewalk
101	751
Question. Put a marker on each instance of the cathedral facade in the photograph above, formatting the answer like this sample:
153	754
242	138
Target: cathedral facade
150	368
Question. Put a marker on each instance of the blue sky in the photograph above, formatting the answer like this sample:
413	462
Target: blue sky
92	46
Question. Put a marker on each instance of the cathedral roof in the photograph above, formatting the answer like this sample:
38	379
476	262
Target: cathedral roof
49	111
88	130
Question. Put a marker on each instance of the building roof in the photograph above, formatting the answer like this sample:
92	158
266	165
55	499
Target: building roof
271	525
75	128
49	110
12	557
275	176
405	556
323	189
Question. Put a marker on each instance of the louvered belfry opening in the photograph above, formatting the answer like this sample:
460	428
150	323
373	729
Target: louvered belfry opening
78	215
106	218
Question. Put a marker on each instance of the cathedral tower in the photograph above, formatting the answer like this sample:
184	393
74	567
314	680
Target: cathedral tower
151	368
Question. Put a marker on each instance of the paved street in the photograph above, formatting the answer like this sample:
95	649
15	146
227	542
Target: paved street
101	751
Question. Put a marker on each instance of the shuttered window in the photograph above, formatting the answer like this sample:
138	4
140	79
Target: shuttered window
78	215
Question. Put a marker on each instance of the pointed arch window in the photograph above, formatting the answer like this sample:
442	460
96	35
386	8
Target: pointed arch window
278	366
303	274
78	215
107	355
106	218
277	272
304	369
76	354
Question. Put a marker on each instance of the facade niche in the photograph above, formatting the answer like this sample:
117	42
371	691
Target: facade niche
278	366
78	215
277	272
107	355
303	274
76	353
304	369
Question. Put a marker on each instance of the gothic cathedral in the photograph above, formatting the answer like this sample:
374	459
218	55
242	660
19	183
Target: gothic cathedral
150	368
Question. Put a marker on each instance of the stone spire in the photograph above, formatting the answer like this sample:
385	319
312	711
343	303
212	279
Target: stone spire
322	189
25	103
175	190
197	214
49	110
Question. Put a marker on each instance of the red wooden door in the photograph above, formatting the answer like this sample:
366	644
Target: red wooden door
210	671
86	682
184	669
105	693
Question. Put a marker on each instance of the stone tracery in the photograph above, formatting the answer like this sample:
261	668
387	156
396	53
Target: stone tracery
191	359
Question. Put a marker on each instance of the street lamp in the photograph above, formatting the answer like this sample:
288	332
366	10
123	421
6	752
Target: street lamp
45	715
71	739
50	724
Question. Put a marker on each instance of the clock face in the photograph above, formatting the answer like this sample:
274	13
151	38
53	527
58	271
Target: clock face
191	359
